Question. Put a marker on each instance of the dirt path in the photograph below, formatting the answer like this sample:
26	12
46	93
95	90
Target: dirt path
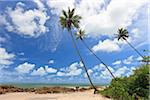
88	95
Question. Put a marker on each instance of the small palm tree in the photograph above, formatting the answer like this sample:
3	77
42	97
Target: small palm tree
69	20
123	35
80	35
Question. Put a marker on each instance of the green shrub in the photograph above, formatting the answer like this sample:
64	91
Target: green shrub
129	88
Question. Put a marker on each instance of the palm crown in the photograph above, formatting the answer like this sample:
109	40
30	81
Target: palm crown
69	19
122	34
80	34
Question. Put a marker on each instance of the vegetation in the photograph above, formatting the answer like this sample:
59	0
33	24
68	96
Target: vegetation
69	21
134	87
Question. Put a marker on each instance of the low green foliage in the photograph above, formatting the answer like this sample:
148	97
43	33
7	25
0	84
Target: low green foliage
135	87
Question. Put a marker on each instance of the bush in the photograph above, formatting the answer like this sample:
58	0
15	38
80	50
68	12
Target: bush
130	88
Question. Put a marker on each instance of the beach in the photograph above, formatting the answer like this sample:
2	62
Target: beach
86	95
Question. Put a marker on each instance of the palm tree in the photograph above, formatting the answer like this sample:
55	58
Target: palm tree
69	20
80	35
123	35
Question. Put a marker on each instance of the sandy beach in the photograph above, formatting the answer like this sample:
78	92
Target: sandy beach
86	95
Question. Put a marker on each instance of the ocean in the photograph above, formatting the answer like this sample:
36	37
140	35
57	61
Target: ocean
39	85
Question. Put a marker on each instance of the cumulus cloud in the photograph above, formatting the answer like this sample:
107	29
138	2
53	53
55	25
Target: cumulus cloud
139	58
39	72
106	46
122	71
99	67
73	70
57	6
27	22
129	60
51	61
50	70
61	74
25	68
118	62
90	71
6	57
119	13
100	71
40	4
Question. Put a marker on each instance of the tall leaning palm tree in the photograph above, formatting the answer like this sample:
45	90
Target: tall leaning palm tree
69	20
123	34
80	35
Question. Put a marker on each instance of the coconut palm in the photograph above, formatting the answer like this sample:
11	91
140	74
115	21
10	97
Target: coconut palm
80	35
69	20
123	35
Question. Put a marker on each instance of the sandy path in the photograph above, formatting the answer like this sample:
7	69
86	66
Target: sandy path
88	95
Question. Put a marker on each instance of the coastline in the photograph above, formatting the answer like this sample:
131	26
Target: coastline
45	89
40	85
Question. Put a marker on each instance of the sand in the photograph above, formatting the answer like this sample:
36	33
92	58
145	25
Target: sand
87	95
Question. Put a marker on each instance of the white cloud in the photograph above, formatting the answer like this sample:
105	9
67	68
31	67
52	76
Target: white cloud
118	62
39	4
101	72
40	71
90	71
5	57
50	70
57	6
139	58
89	8
73	70
25	68
27	22
81	64
51	61
106	46
61	74
129	60
105	74
119	13
122	71
99	67
136	33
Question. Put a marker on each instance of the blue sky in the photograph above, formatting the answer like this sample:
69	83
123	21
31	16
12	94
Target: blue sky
34	47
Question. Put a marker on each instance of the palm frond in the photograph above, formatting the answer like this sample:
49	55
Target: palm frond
69	20
71	13
122	34
64	13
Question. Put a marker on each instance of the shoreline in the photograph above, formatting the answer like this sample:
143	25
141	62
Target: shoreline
39	85
44	90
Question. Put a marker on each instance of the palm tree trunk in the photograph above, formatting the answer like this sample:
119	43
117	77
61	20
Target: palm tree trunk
97	58
134	49
78	52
